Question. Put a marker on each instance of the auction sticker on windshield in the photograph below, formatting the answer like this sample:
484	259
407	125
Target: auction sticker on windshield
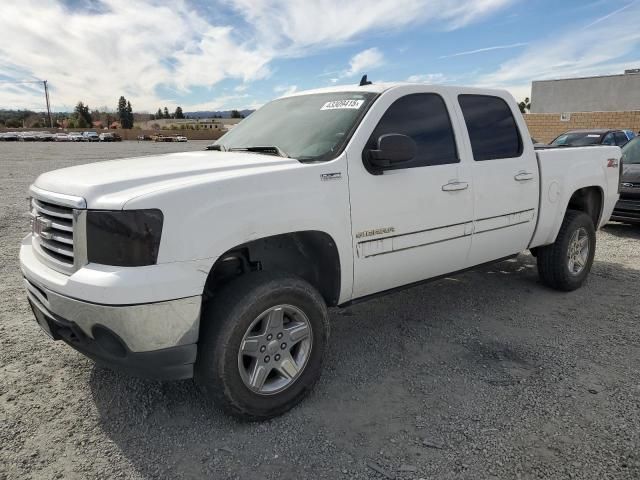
337	104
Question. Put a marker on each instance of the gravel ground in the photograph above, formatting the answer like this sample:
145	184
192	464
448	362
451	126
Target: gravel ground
483	375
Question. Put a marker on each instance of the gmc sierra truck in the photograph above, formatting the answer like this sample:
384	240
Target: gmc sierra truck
220	265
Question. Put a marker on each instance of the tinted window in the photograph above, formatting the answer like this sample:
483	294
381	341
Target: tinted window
631	152
621	138
492	129
608	139
424	118
577	139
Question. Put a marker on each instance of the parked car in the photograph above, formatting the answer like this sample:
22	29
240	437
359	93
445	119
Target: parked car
599	136
220	265
144	137
116	137
91	136
44	136
62	137
76	137
181	138
10	137
628	207
162	138
28	136
106	137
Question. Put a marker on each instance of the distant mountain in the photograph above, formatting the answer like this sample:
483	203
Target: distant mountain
218	113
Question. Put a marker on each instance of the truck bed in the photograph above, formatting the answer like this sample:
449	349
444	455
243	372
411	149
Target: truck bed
564	171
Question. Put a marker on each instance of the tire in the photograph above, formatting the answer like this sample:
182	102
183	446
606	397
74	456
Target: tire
554	262
233	379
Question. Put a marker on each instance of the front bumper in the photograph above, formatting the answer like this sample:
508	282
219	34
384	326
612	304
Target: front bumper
627	210
153	340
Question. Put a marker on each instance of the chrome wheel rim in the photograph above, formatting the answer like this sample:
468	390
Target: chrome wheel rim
275	349
578	252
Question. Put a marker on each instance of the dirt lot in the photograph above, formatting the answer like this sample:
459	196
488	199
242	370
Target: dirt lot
484	375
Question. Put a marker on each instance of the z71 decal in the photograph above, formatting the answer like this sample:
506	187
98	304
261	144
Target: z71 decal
612	163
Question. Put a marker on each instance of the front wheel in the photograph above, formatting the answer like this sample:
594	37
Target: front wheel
565	264
262	345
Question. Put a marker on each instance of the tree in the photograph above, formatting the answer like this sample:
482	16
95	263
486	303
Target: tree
236	114
80	122
125	113
129	115
83	115
159	114
525	106
178	113
166	113
122	112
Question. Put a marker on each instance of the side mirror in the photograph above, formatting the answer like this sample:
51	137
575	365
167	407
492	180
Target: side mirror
393	150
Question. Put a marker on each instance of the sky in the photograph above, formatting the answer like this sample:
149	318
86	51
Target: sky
218	55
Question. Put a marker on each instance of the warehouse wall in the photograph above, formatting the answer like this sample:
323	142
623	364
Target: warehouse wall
612	93
544	127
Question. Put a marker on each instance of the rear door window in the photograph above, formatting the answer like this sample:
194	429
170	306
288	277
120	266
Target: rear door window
493	131
621	138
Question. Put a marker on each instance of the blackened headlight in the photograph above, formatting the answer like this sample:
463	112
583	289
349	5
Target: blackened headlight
126	238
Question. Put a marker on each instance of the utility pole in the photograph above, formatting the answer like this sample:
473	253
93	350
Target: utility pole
46	96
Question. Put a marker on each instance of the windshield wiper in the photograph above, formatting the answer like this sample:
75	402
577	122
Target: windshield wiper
270	150
214	146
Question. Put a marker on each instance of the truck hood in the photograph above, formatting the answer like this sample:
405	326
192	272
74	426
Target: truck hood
111	184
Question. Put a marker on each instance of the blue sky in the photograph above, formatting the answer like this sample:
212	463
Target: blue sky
209	55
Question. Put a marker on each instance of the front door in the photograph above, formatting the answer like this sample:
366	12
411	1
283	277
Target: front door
413	222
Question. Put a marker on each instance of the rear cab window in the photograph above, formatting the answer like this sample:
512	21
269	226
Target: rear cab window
493	131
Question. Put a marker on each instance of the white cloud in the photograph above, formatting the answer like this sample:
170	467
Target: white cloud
485	49
432	78
141	48
601	49
284	90
295	25
366	60
609	15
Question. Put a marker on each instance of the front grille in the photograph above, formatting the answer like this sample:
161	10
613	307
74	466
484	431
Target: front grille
58	224
52	227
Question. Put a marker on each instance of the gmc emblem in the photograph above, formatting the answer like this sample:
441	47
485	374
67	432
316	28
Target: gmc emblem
40	226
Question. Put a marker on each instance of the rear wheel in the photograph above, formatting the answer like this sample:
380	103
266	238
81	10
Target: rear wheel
565	264
262	345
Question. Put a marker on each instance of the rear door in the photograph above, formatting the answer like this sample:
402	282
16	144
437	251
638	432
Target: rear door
504	174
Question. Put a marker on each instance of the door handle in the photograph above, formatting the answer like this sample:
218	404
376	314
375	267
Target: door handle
454	186
523	176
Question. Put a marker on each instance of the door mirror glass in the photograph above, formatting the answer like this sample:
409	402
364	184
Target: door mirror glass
393	150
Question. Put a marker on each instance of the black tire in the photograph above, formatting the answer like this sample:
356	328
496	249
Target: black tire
226	319
553	267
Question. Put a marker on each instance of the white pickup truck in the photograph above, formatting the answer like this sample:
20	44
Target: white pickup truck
219	265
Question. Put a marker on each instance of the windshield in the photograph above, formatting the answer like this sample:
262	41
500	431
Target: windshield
631	152
307	127
577	139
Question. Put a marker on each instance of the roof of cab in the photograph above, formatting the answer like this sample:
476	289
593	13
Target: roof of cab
379	87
